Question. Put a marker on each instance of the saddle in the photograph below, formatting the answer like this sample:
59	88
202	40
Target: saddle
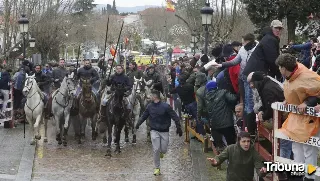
48	106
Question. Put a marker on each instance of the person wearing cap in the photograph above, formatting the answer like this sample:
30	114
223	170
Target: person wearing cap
220	105
307	52
267	51
300	84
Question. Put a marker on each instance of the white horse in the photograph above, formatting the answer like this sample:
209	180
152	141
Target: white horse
33	107
135	106
62	100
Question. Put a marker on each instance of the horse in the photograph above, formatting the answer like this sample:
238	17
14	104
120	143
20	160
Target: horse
88	107
34	106
136	108
62	101
116	115
147	100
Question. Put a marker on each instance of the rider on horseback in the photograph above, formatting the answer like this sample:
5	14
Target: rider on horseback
59	73
43	81
151	74
118	78
87	72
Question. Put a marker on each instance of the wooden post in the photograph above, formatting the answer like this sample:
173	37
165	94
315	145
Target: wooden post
186	124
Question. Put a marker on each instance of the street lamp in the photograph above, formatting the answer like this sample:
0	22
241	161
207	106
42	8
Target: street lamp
206	15
24	26
193	43
32	42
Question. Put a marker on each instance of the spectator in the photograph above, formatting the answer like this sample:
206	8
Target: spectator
307	54
265	54
4	88
220	106
300	84
242	159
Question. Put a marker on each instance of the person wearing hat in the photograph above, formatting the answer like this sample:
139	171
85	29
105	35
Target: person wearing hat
152	74
267	51
307	51
232	72
220	105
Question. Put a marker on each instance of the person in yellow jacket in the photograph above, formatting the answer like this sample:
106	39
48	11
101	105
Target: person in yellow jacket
300	85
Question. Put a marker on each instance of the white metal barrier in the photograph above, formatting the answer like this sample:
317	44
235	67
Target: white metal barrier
9	107
313	141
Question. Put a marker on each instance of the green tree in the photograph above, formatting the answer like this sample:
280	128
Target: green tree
262	12
84	6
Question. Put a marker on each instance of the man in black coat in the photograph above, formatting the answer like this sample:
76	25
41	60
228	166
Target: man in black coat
267	51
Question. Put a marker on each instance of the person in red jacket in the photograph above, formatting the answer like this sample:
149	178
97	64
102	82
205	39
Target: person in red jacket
229	54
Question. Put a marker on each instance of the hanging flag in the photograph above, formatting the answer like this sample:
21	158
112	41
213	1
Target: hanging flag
170	6
112	51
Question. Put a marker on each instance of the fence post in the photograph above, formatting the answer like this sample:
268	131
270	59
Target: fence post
186	125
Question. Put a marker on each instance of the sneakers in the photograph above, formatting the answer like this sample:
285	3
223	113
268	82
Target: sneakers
161	155
156	172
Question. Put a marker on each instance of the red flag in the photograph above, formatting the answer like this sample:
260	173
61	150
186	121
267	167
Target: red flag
112	51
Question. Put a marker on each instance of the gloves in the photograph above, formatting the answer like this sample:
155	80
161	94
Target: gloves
126	94
137	126
179	131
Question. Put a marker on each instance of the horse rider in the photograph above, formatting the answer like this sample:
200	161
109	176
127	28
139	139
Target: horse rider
106	68
152	74
118	78
59	73
135	73
87	72
43	82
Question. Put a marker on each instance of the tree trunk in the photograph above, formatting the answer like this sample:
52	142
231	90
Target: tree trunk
291	24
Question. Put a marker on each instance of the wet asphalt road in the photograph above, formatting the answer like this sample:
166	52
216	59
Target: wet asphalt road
88	161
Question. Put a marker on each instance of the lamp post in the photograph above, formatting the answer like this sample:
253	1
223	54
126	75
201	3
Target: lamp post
206	15
24	25
32	42
193	43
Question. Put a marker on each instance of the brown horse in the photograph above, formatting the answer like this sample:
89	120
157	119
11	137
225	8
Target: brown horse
88	107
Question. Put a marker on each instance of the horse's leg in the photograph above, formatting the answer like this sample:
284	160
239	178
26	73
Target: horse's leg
37	127
45	129
109	125
148	131
119	129
135	120
65	127
76	127
126	133
31	130
114	134
93	127
58	128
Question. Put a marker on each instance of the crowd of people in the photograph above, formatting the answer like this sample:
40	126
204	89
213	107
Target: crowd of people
244	79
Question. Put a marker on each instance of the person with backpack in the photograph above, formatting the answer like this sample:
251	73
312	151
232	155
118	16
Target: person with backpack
220	105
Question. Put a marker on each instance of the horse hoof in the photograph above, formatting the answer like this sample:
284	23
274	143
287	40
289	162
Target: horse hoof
64	143
45	140
33	142
59	142
38	137
108	152
127	140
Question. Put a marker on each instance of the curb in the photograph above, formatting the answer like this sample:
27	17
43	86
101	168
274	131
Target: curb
26	163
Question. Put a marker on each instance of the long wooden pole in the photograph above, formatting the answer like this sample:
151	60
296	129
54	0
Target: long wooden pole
105	46
116	50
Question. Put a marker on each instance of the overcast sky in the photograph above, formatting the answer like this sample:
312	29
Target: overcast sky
132	3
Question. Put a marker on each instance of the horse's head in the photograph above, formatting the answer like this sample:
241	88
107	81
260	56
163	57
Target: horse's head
137	85
148	83
86	85
30	84
69	84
